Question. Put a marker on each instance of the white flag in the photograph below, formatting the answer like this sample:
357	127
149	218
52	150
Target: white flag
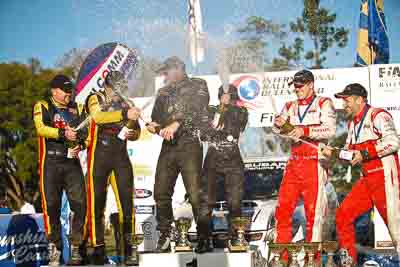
196	37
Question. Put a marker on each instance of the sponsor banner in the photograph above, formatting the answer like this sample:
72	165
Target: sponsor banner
264	94
385	89
23	241
103	59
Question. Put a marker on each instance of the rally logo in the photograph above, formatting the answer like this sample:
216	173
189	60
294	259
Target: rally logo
143	193
248	90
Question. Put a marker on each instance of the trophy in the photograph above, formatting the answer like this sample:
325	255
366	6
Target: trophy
182	226
293	249
276	250
239	244
330	247
310	249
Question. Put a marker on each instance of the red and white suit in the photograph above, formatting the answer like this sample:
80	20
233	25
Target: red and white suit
304	176
379	184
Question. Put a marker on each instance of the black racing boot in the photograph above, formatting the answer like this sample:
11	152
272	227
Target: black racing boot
99	255
83	253
131	254
203	246
164	243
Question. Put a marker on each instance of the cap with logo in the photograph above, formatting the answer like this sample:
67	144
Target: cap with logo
302	77
353	89
63	82
171	62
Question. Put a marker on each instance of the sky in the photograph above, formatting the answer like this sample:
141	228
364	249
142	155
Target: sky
46	29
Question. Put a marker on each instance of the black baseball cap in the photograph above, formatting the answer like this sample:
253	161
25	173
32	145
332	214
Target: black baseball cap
171	62
353	89
63	82
302	77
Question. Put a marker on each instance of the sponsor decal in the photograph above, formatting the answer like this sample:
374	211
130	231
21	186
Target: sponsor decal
393	108
147	228
143	193
248	90
265	165
389	72
144	209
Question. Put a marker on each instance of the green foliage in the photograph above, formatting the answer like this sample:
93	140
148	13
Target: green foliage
315	27
21	86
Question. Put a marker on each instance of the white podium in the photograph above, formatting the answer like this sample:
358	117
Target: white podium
221	258
181	259
185	259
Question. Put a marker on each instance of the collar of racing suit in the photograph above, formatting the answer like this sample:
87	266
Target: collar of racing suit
57	104
358	117
307	100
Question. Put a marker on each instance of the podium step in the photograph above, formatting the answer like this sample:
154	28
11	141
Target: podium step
218	258
184	259
223	258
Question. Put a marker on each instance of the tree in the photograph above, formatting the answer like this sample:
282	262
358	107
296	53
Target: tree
316	26
20	87
253	44
319	25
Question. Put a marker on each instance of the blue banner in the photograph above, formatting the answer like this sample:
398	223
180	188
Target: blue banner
23	241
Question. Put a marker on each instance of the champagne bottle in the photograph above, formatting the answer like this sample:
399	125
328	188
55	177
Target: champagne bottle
219	116
70	145
287	127
342	154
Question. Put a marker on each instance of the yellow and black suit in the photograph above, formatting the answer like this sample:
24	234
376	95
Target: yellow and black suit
107	153
57	171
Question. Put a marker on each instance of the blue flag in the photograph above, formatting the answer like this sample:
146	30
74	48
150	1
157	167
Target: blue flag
373	41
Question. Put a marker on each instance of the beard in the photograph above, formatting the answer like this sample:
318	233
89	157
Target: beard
349	115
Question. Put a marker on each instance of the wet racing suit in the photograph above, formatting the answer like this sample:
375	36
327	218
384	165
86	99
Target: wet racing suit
107	153
304	175
57	171
373	133
183	102
223	157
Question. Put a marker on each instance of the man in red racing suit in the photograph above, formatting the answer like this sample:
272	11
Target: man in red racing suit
373	139
310	118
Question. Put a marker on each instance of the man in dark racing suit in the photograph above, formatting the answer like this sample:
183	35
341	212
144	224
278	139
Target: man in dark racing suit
59	166
107	153
175	116
223	157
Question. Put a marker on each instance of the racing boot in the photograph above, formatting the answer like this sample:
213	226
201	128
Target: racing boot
164	243
99	255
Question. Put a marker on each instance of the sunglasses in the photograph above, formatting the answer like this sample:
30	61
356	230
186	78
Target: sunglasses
298	85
